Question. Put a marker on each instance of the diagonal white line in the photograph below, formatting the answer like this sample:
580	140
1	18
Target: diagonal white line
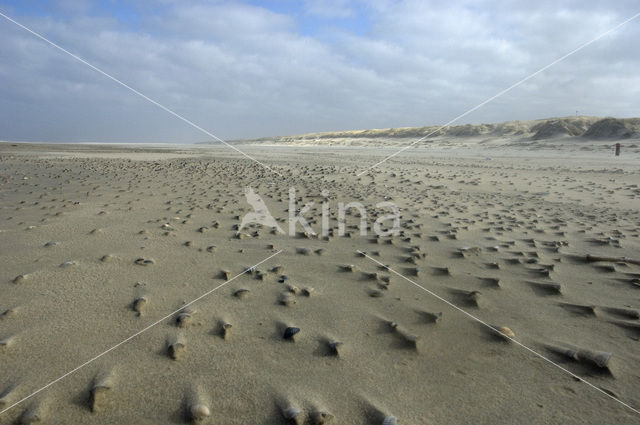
501	334
175	114
136	334
497	95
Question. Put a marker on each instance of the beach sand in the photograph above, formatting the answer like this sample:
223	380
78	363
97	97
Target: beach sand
100	243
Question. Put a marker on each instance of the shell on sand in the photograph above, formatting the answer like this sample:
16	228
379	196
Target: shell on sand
33	415
7	396
287	299
20	278
139	305
8	313
432	317
241	293
409	339
290	332
199	412
176	346
335	347
175	350
320	417
183	319
376	293
475	298
390	420
293	415
196	409
225	329
370	275
107	258
97	397
144	261
505	333
597	358
8	341
475	250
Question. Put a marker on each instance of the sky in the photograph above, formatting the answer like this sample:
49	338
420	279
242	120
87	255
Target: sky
243	69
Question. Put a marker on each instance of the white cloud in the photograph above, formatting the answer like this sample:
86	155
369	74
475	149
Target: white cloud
241	70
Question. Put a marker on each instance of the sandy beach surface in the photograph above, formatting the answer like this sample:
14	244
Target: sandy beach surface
102	243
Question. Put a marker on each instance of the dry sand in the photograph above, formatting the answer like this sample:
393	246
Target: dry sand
100	242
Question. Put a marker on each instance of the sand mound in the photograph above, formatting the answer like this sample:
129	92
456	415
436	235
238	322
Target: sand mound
467	130
609	128
548	128
555	128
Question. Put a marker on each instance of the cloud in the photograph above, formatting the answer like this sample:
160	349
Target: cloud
241	70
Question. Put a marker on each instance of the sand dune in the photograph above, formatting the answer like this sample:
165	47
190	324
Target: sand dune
579	129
